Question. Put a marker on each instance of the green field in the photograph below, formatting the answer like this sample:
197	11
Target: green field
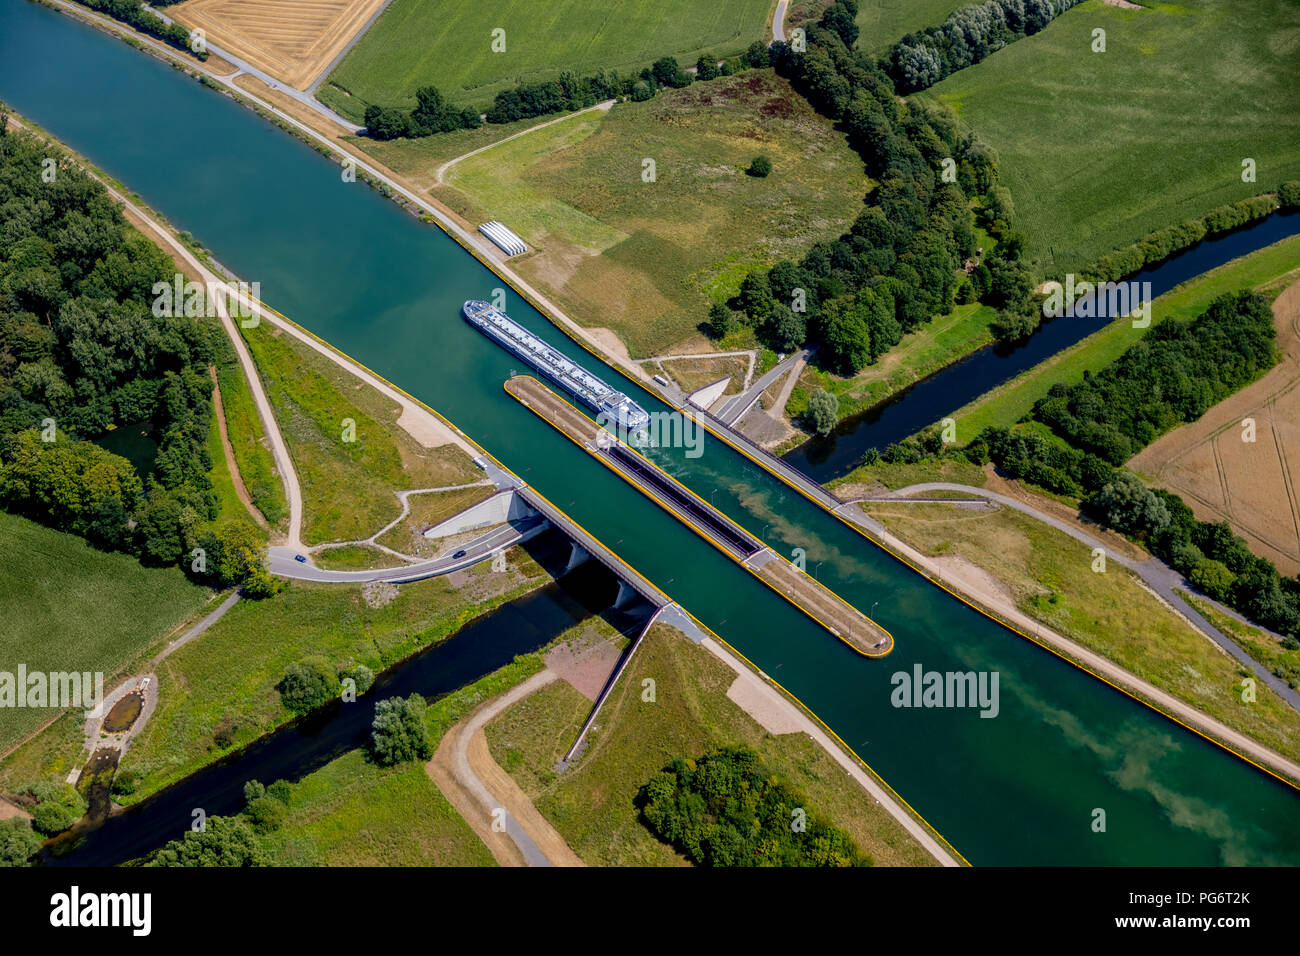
67	607
251	450
591	804
1048	573
1008	403
1099	149
645	259
883	22
449	45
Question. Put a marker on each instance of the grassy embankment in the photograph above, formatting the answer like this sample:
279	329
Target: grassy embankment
591	804
354	813
348	487
1048	576
68	607
1008	403
645	259
1099	149
1283	661
249	445
421	42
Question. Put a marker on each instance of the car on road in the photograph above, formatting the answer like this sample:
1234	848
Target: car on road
301	558
459	554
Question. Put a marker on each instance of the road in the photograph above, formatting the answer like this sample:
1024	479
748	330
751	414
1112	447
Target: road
778	22
1155	573
282	561
735	408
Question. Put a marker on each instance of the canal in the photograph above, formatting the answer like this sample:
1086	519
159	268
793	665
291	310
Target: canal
387	289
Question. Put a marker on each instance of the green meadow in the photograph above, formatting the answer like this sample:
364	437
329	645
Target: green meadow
1099	149
450	45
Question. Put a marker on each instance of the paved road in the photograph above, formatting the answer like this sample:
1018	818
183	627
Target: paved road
734	410
1158	576
283	563
778	22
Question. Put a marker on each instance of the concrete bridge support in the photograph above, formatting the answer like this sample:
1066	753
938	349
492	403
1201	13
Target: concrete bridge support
577	555
626	594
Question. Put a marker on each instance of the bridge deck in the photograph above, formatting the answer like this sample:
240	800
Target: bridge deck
820	603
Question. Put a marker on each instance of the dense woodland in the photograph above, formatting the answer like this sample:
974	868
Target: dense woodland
728	809
82	352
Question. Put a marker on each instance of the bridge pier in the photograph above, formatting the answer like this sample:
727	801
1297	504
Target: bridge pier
577	555
626	594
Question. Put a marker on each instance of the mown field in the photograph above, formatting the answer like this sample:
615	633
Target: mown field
882	22
65	606
1047	574
592	804
1008	403
645	259
420	42
1099	149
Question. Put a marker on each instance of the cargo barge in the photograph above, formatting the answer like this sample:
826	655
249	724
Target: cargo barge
617	408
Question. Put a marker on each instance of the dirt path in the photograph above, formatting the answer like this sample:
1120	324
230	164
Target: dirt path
241	492
463	769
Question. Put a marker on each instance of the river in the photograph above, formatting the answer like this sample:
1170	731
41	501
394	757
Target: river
387	289
930	399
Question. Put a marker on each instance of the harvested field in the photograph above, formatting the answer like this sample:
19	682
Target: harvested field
1251	485
293	40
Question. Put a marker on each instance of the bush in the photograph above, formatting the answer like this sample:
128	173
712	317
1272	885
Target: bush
823	411
224	841
308	684
760	167
721	321
362	676
18	842
266	814
58	806
398	732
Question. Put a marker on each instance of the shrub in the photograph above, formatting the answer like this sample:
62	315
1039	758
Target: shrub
18	842
398	732
760	167
308	684
823	411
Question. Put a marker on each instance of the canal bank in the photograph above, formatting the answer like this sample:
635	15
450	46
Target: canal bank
384	288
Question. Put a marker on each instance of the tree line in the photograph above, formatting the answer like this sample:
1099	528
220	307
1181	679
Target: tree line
902	260
133	13
82	353
727	809
433	113
966	37
1173	376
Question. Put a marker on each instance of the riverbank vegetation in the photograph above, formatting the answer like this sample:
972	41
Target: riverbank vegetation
146	21
419	43
1067	159
222	692
593	803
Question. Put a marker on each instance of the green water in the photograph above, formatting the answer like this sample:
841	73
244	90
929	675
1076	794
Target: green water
1018	789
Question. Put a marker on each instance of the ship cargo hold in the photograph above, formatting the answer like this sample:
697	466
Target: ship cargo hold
569	375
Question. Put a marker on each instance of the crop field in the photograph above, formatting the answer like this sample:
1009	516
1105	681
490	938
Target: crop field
65	606
645	259
1099	149
1253	485
449	44
293	40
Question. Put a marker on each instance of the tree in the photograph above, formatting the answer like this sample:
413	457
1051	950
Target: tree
756	297
757	55
846	337
384	123
706	67
823	411
1212	578
721	320
18	842
760	167
1128	505
308	684
785	330
665	70
398	732
224	841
